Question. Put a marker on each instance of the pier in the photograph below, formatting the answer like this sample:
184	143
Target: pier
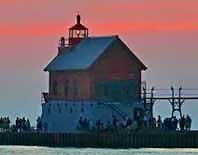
159	139
176	100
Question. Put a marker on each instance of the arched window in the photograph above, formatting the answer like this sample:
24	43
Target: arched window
55	88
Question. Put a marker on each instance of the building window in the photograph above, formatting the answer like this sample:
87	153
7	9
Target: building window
55	88
75	88
66	86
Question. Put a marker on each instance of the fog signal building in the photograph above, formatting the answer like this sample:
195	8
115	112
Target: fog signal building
96	79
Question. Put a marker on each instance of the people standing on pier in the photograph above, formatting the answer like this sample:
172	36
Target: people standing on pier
38	124
153	122
169	123
18	124
115	121
188	122
84	123
22	125
146	121
98	125
174	123
80	122
159	122
182	123
108	126
124	123
129	122
4	123
27	125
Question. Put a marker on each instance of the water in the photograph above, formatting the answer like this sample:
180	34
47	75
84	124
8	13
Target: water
33	150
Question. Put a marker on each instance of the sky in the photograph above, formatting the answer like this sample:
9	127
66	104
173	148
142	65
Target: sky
163	34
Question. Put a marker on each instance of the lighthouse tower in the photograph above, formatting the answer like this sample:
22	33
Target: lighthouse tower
92	81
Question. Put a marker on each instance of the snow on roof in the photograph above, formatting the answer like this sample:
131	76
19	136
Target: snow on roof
82	56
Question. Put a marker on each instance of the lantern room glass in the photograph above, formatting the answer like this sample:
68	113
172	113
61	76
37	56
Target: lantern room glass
78	33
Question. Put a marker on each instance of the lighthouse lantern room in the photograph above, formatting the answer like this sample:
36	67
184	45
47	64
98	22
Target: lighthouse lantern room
77	32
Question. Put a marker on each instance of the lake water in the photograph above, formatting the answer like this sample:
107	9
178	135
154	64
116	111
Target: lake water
33	150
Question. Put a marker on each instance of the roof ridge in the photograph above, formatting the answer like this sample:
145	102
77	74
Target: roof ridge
107	36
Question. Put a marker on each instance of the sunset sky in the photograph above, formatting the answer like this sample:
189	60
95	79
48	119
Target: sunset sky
162	33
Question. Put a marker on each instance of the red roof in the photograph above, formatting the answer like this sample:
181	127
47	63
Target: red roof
78	27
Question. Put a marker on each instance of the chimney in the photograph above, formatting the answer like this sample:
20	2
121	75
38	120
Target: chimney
62	48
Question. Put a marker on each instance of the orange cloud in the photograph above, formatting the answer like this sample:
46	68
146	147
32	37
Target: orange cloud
96	28
31	30
145	27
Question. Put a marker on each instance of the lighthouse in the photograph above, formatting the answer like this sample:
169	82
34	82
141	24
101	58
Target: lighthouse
93	81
